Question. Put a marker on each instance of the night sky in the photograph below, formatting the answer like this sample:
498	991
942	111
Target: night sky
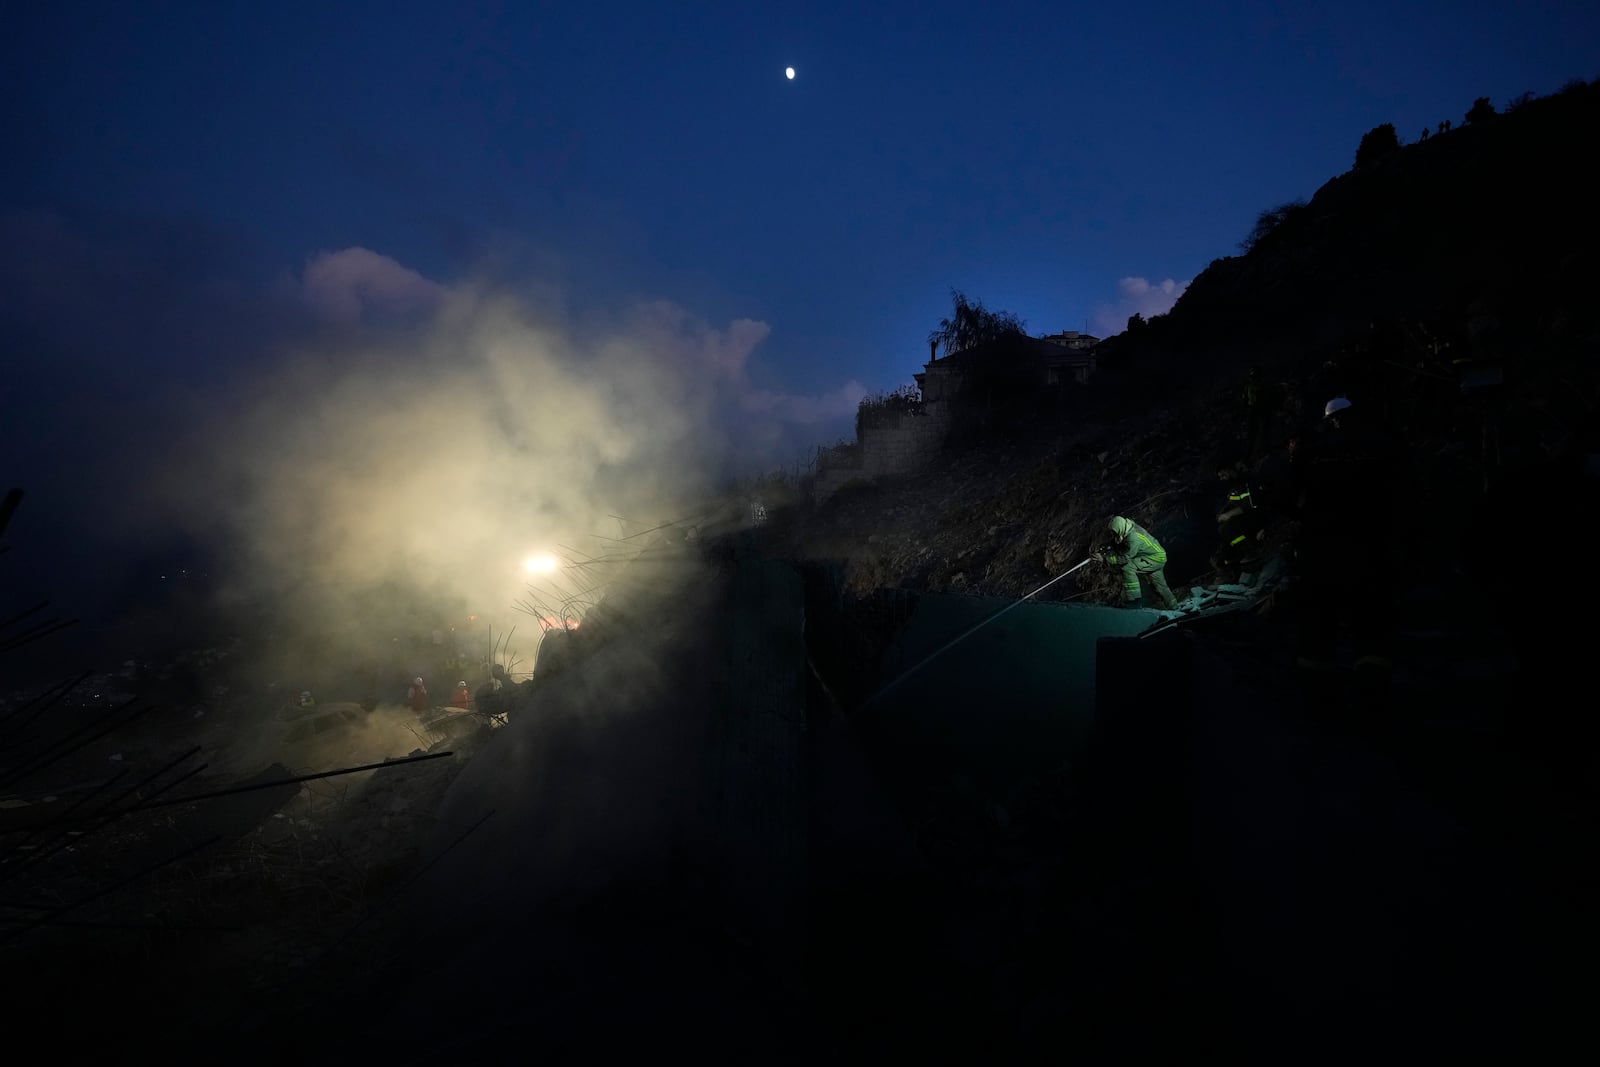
188	191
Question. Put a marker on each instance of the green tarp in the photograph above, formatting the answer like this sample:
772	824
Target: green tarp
1014	698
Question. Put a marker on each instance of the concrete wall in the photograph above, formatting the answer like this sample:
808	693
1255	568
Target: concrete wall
900	447
830	481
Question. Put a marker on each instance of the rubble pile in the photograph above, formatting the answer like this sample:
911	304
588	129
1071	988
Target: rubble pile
1004	518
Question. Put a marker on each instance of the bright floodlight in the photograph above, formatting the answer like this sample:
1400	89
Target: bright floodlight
788	72
545	564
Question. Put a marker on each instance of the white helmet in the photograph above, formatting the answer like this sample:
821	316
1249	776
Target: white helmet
416	681
461	684
1336	405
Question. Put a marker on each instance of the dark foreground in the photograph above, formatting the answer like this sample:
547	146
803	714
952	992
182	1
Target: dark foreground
684	846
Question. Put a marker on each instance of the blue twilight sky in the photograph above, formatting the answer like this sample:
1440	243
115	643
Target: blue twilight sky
171	172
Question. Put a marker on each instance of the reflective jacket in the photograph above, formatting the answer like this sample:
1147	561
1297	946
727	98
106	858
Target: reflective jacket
1240	501
1141	549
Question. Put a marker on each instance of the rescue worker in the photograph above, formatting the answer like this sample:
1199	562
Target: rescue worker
494	695
417	695
1241	522
1139	555
462	697
306	700
1344	480
488	697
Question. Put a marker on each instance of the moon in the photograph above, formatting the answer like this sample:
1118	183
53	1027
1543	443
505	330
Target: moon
788	72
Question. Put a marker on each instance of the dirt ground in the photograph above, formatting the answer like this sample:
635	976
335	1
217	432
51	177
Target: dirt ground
176	912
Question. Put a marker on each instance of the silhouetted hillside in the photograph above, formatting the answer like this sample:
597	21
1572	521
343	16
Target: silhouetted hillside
1493	220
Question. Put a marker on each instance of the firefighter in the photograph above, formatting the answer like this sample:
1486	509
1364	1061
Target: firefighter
1241	522
417	695
1138	555
462	697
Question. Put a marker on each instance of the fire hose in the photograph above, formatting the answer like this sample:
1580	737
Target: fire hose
948	645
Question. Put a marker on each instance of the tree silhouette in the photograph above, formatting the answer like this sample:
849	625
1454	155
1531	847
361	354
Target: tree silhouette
1481	110
1135	321
970	324
1377	143
1268	221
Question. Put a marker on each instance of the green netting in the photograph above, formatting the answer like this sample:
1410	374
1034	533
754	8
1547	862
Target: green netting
1012	699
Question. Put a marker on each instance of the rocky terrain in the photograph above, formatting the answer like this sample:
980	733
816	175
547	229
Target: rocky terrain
1484	243
107	866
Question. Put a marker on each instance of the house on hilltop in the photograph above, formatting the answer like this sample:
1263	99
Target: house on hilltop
1072	339
1077	364
983	386
1017	363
